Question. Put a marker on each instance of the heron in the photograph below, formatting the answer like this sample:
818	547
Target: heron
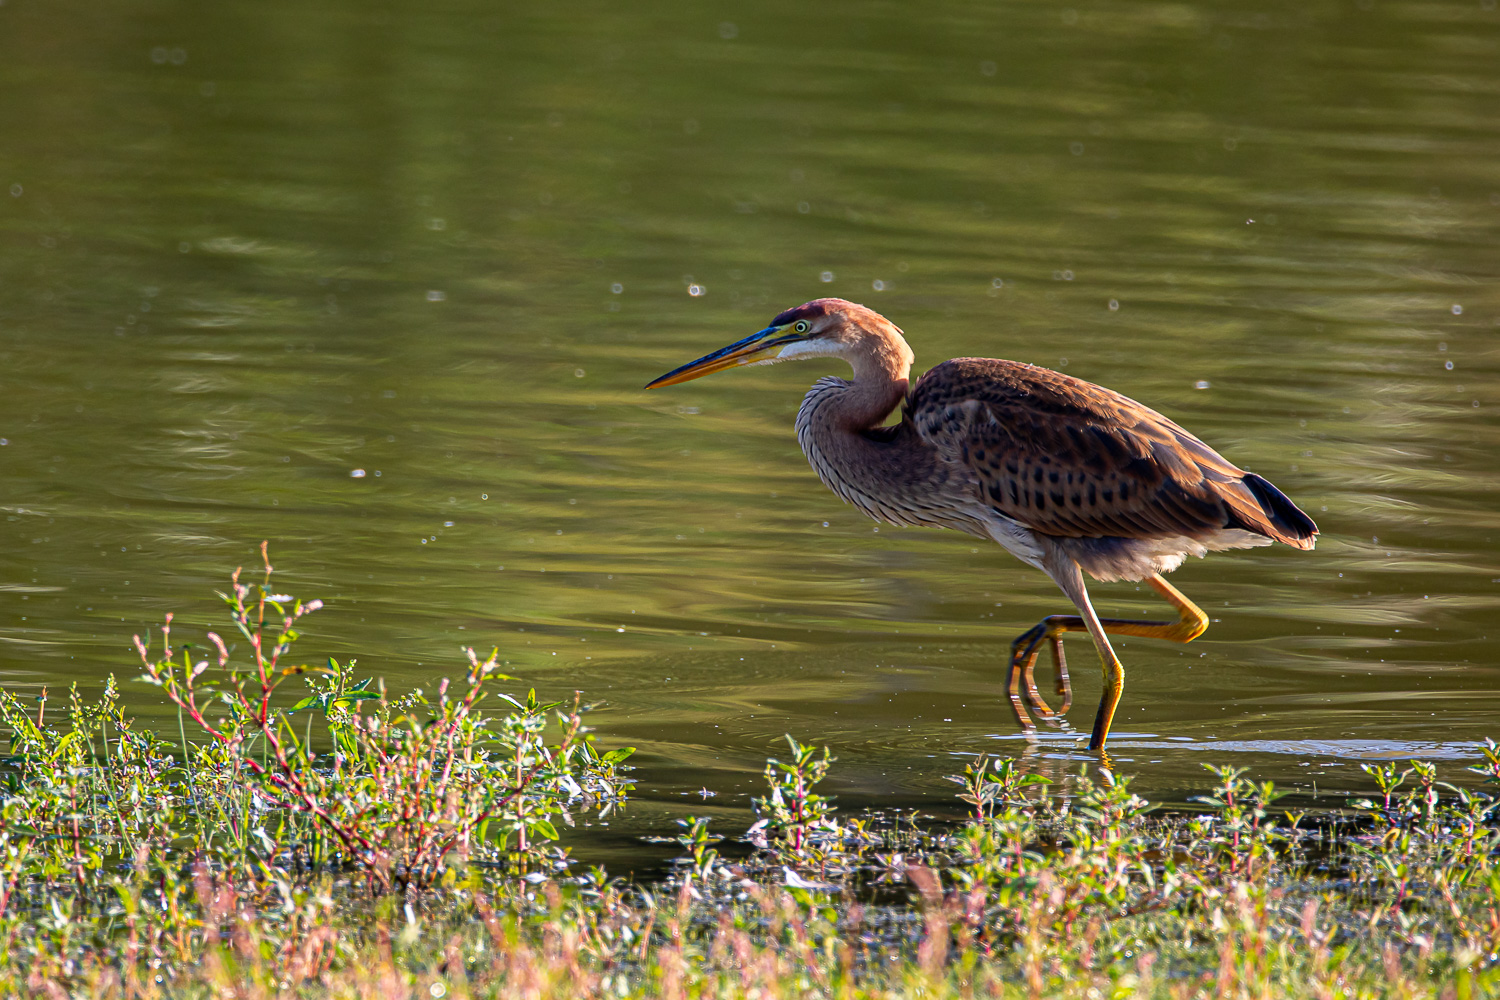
1066	475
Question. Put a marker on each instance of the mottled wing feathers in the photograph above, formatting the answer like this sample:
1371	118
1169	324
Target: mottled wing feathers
1071	459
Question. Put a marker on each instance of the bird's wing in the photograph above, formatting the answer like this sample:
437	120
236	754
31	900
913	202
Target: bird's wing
1069	458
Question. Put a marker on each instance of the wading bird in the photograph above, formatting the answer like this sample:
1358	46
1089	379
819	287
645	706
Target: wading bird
1067	476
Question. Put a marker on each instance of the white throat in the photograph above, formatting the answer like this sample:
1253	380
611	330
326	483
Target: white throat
815	348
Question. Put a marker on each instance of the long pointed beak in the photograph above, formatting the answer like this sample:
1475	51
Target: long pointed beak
756	347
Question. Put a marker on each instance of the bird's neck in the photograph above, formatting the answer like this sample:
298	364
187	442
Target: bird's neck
882	367
835	415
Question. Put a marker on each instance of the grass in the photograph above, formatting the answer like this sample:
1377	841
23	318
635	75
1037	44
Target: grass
416	855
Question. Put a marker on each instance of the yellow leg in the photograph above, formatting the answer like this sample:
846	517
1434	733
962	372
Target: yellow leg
1190	623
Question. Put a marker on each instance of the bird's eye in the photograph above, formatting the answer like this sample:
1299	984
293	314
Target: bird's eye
801	326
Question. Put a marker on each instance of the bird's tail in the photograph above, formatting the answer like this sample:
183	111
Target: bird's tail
1274	515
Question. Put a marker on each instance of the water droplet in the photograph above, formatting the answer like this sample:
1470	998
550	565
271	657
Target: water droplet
436	296
1448	365
15	190
617	288
696	290
878	285
1076	148
803	207
1203	383
578	373
1114	305
826	277
1458	310
998	283
356	473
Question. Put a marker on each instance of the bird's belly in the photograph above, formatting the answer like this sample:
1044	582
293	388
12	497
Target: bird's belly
1015	538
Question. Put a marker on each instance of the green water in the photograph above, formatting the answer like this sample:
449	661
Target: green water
248	249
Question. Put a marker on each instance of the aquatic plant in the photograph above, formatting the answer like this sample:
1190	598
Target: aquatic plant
791	810
108	825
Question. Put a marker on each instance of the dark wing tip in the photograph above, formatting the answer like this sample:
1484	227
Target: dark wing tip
1285	519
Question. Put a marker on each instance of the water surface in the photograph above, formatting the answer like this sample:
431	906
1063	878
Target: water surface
382	285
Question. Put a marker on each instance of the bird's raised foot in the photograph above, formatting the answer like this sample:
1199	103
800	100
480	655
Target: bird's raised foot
1021	673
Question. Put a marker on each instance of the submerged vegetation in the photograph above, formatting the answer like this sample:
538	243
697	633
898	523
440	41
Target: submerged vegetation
337	841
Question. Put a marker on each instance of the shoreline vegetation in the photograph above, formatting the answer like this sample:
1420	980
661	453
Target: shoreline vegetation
308	834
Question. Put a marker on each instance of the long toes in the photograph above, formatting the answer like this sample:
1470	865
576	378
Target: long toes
1013	678
1060	673
1039	704
1020	678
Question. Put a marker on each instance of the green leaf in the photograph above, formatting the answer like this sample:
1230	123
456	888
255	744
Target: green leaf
545	828
616	756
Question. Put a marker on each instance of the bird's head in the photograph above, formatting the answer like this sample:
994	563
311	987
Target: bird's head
822	328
